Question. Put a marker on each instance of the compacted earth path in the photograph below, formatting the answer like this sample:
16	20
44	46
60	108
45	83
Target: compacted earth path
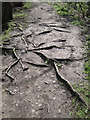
47	59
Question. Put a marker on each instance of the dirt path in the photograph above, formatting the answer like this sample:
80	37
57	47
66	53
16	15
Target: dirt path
36	91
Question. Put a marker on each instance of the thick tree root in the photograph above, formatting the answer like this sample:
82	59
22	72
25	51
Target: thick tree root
68	85
37	65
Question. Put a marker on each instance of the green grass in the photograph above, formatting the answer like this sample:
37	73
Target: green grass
27	5
78	22
61	10
19	15
82	112
82	88
87	69
87	37
46	61
59	65
4	38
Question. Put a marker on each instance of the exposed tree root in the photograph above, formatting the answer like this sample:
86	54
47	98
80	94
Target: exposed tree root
9	92
68	85
8	69
24	41
57	29
41	44
6	48
13	64
44	32
11	78
15	55
37	65
19	60
16	35
44	48
59	40
53	25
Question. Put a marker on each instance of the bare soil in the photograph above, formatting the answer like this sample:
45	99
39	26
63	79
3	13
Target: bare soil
36	90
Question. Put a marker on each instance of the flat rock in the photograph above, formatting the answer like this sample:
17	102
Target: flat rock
56	53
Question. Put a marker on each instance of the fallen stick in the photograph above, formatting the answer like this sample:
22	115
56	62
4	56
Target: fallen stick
68	85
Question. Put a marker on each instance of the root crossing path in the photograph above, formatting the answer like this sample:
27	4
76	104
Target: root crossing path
47	59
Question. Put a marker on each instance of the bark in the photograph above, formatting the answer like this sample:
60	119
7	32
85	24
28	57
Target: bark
6	12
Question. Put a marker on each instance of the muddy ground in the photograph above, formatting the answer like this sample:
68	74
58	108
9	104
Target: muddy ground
31	87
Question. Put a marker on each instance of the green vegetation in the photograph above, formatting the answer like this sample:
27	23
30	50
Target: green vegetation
46	61
27	5
19	15
82	112
83	90
87	69
77	12
6	36
62	9
59	65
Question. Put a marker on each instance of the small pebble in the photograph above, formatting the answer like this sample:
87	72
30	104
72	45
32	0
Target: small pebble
17	104
29	100
59	111
36	103
39	87
46	82
33	110
15	90
40	105
54	82
54	98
